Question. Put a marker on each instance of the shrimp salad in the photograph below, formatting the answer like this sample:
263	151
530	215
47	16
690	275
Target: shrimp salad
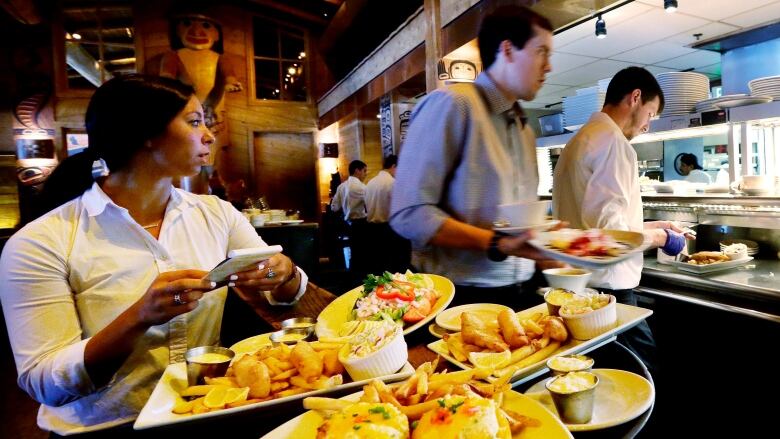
409	297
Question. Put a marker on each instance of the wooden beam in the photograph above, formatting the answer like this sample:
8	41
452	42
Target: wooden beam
433	52
23	11
292	11
411	65
341	21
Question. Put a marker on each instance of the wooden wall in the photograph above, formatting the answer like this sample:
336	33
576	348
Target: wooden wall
246	115
359	139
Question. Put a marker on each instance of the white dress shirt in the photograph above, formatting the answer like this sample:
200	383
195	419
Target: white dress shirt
378	192
350	199
596	185
70	273
698	176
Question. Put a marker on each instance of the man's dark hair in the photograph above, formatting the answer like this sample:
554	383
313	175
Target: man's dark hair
690	160
356	165
630	79
514	23
390	161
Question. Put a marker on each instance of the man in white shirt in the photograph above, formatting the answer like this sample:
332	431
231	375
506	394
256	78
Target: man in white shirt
596	185
690	168
396	253
350	199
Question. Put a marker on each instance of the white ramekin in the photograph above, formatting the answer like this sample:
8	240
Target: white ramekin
385	361
593	323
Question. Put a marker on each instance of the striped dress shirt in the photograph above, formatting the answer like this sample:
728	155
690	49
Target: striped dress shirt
466	152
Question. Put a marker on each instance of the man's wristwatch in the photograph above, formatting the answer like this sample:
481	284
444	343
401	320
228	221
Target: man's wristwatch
493	253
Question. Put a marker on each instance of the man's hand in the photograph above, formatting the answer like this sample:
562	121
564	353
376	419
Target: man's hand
518	246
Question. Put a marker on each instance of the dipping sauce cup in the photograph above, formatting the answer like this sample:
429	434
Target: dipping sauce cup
207	361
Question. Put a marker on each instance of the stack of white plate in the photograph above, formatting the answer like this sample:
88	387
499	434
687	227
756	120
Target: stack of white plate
710	104
682	91
578	108
752	246
765	87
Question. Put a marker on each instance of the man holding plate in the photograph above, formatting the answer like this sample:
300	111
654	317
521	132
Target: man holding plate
468	150
596	185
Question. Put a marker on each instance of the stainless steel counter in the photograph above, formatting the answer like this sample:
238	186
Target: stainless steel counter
752	289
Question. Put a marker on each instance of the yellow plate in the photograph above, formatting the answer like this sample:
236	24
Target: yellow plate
620	397
339	311
251	344
305	426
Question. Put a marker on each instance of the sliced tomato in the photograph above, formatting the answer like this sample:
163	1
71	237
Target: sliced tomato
431	296
414	315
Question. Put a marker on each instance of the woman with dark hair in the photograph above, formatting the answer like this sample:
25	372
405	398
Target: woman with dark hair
690	168
103	292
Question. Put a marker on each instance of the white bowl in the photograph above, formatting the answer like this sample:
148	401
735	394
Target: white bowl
572	279
592	323
386	360
523	214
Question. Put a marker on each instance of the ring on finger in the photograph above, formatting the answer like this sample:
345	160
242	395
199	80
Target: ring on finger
271	274
177	299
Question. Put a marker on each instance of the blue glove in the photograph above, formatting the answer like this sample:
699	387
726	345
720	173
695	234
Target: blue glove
675	242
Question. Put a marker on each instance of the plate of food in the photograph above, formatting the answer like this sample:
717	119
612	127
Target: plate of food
274	375
410	299
426	405
593	248
708	261
502	347
620	397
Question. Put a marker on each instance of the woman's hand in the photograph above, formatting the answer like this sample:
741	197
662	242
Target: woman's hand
109	348
273	274
171	294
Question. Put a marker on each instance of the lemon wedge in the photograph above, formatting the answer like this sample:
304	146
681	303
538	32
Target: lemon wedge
215	399
490	360
236	394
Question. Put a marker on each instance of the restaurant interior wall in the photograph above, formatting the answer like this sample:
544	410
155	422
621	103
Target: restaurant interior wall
246	115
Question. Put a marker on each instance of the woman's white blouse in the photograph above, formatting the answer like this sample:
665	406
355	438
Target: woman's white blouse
68	274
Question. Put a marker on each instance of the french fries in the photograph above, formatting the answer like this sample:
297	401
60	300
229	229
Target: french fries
271	373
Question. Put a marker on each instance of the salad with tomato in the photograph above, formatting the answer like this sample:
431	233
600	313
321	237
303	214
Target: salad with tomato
406	297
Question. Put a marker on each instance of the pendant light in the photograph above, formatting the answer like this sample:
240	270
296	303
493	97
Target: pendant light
670	5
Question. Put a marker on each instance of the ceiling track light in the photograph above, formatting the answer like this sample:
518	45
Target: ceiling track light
670	5
601	28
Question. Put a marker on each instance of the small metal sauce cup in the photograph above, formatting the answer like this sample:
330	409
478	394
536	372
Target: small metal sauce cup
299	323
574	407
290	336
558	371
197	371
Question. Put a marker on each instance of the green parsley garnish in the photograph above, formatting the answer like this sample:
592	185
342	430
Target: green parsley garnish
442	404
379	409
372	281
356	427
454	407
414	424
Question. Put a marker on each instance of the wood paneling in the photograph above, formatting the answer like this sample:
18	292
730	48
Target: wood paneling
404	69
371	146
285	171
245	115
